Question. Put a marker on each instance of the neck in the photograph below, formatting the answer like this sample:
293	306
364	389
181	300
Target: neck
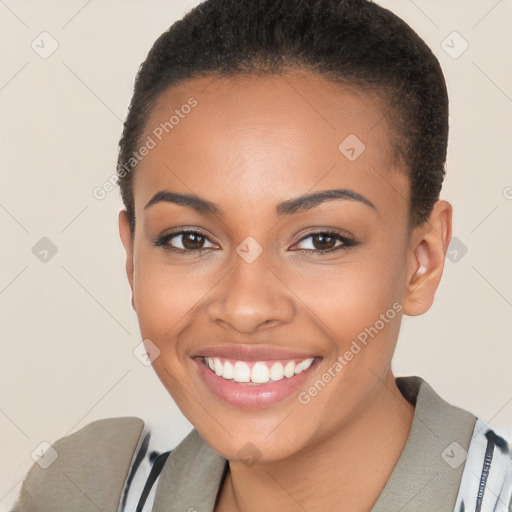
344	472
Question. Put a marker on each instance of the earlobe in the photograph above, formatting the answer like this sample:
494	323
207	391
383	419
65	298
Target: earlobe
127	241
429	245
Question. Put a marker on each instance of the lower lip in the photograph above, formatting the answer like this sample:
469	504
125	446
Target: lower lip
252	396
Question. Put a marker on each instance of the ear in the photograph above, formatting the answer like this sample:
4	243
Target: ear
127	241
429	244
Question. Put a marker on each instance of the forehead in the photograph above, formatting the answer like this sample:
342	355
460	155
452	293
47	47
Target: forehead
270	136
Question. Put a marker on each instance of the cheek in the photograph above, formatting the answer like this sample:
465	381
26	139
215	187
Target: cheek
348	296
358	306
352	296
363	318
165	297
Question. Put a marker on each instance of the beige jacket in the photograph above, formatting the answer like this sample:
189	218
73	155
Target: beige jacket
98	467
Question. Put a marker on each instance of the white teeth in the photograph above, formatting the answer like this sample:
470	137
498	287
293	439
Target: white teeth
304	365
289	369
276	371
228	371
242	372
217	366
307	363
260	372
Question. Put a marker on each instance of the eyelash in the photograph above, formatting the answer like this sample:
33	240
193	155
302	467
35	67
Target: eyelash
346	243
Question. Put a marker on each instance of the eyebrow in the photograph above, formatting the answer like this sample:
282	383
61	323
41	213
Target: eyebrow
289	207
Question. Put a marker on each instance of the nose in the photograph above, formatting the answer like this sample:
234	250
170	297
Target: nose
251	297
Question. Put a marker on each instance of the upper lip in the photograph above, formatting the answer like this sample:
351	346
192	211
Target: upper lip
250	352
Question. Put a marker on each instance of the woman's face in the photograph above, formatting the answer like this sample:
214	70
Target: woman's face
264	288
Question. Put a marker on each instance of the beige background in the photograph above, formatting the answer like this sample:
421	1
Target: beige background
67	330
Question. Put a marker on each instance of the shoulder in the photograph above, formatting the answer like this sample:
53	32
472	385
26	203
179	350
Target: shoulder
84	471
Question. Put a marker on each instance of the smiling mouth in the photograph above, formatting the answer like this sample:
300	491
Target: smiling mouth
256	372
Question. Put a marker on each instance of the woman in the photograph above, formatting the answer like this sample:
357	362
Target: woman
280	167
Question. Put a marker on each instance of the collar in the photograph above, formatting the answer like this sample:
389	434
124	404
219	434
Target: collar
425	477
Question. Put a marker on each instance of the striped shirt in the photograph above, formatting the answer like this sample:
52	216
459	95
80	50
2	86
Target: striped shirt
451	462
485	461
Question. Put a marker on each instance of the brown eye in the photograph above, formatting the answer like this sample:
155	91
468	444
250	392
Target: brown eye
185	241
192	241
323	242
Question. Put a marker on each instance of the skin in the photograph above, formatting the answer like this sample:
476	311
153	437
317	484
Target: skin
250	143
